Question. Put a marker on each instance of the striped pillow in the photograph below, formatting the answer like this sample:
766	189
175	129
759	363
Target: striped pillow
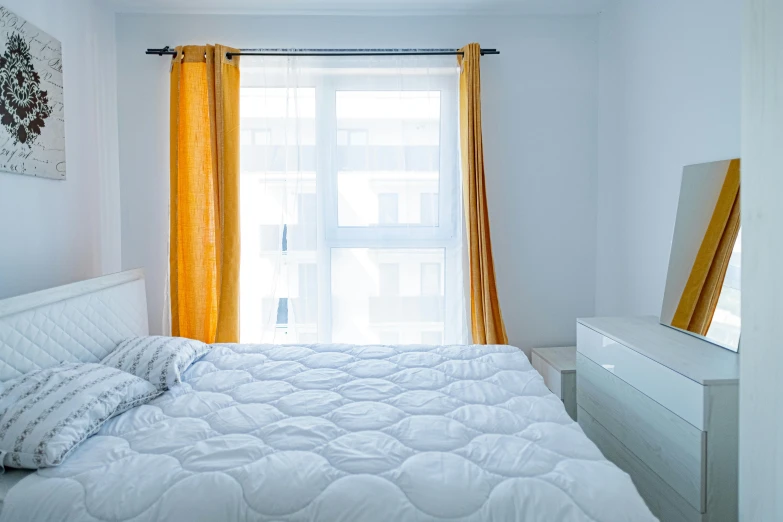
160	360
46	414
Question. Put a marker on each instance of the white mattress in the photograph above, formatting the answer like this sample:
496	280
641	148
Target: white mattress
340	433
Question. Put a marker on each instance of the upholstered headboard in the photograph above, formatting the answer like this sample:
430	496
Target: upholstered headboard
80	322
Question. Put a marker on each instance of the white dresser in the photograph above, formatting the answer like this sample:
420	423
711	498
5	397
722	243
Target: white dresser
663	406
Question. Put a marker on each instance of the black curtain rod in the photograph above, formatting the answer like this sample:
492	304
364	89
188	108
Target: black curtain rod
168	51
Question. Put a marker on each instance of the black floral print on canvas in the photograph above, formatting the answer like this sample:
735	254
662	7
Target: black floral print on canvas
24	107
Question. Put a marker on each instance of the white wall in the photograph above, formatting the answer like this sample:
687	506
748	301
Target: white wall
669	97
761	355
54	232
540	101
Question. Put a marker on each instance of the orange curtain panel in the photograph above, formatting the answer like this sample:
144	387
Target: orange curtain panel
486	320
702	291
204	205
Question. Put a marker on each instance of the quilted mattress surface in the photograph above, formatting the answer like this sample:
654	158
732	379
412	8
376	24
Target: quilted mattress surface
339	433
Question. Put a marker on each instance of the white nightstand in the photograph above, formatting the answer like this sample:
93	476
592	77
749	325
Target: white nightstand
558	368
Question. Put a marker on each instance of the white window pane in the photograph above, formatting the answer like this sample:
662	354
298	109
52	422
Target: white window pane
279	285
353	137
388	142
388	279
430	279
388	209
342	137
389	337
307	338
304	304
393	105
280	128
430	337
262	137
379	290
358	138
270	237
428	214
277	103
303	231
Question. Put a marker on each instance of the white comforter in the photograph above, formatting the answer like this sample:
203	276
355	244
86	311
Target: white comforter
340	433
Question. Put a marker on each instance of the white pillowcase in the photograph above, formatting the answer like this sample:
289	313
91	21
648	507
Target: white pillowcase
45	414
160	360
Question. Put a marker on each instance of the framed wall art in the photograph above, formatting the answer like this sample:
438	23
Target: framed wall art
32	116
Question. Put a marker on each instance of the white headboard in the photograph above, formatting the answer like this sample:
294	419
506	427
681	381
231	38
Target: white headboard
80	322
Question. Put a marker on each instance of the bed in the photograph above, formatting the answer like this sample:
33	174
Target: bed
307	433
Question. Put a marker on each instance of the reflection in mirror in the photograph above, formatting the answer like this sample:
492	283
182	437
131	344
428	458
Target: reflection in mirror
725	327
702	295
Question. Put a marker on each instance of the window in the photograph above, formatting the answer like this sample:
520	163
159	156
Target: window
250	136
262	137
388	207
304	232
282	312
403	159
388	279
430	279
352	137
428	209
269	238
389	337
306	302
355	193
431	337
352	149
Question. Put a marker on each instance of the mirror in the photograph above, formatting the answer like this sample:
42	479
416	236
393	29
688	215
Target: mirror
702	295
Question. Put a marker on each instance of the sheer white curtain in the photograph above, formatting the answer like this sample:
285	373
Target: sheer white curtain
351	202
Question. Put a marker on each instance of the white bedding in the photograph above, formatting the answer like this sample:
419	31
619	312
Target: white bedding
9	479
339	433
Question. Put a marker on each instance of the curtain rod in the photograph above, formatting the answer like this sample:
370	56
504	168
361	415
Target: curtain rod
168	51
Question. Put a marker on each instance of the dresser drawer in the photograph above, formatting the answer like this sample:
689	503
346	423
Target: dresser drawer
671	447
663	501
669	388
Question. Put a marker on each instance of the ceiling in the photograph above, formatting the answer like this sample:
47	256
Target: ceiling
529	7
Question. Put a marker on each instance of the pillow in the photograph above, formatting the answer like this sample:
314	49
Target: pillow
160	360
47	413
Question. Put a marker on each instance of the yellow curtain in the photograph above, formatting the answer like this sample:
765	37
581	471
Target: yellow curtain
702	291
204	204
486	319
